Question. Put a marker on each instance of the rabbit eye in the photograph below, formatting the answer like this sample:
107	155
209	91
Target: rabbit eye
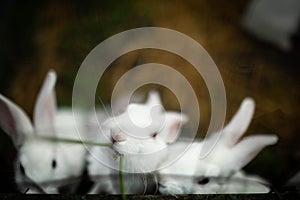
203	181
54	164
154	135
22	169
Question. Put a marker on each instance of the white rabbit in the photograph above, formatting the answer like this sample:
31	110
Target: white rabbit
226	159
43	165
138	133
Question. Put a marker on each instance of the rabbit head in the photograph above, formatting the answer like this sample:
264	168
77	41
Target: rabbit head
230	152
41	162
238	182
143	130
227	158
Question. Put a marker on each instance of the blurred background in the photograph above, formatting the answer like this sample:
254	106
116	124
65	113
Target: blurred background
36	36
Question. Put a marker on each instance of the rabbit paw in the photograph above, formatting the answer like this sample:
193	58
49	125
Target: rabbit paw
171	188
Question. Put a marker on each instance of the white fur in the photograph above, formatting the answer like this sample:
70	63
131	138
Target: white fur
133	135
37	154
226	159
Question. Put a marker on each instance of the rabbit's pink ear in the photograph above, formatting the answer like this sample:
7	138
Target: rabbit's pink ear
172	126
14	121
239	123
248	148
45	107
153	99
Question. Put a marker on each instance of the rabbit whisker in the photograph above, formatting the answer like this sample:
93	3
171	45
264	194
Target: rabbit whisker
74	141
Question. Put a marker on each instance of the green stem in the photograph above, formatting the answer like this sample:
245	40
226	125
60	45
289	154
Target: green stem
122	185
68	140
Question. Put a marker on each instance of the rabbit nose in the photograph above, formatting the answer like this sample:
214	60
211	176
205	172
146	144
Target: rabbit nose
117	137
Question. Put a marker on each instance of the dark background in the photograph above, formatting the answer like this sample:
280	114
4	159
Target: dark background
38	35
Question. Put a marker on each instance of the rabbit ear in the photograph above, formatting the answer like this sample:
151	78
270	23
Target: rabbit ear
248	148
239	123
171	129
121	102
14	121
153	99
45	107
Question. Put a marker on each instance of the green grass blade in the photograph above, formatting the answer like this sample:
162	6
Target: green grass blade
74	141
122	185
